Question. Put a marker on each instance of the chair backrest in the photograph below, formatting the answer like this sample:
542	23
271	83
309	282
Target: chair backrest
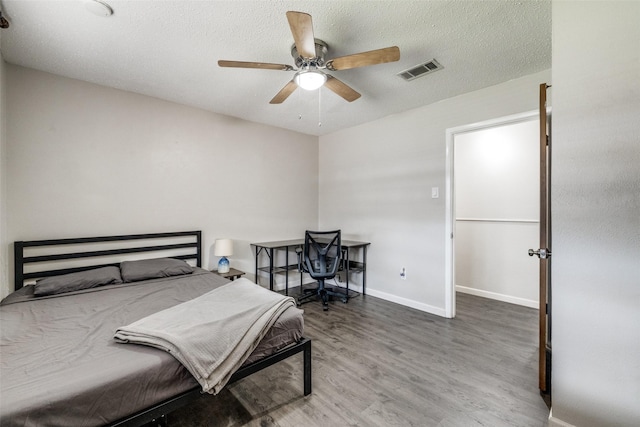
322	253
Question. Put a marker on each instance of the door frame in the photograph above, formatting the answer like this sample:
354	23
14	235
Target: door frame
449	273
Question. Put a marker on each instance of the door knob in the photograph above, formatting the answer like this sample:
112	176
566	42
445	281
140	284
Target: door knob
541	253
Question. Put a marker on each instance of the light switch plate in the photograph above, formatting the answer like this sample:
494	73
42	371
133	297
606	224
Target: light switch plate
435	193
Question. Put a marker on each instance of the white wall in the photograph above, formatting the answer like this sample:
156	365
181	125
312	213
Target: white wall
86	160
376	180
596	214
497	209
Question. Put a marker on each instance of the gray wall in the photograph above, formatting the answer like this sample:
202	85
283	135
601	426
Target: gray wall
86	160
596	213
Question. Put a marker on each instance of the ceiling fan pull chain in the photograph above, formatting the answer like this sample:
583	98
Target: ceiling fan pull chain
298	102
320	107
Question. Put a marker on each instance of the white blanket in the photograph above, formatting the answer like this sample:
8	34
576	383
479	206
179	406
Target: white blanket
211	335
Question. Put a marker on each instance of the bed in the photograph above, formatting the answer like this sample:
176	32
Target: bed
60	364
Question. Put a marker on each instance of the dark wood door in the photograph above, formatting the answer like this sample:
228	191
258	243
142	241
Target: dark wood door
544	251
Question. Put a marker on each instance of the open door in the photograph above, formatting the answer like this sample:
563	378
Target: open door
544	251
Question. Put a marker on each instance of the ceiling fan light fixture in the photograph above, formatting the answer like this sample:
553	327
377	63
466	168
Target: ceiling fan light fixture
310	79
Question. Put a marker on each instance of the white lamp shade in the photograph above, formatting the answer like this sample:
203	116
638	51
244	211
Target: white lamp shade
224	247
310	79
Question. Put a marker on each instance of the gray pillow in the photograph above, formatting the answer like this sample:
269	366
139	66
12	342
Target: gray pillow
77	281
133	271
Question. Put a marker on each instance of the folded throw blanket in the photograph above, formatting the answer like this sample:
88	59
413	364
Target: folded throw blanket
211	335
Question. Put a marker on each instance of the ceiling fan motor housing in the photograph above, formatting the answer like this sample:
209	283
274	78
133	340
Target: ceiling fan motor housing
318	61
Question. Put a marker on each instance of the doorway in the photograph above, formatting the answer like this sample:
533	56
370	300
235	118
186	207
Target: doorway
493	210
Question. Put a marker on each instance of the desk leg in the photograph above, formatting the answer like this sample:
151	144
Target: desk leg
271	269
286	271
347	274
300	267
256	276
364	270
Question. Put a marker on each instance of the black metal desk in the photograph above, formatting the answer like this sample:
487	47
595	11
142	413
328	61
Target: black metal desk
349	265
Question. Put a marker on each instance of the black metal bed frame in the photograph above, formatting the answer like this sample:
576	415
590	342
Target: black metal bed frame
20	260
152	413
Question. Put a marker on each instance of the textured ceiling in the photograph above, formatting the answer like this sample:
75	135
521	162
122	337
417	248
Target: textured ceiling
170	49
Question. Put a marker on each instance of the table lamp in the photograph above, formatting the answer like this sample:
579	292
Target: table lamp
224	248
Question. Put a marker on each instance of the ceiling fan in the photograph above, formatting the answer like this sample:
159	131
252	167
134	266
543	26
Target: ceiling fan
309	57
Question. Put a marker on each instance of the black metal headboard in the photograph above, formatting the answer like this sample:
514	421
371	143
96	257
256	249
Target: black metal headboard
194	241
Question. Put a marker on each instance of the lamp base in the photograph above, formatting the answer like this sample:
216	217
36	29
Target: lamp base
223	265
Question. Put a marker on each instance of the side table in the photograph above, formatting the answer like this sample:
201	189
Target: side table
231	275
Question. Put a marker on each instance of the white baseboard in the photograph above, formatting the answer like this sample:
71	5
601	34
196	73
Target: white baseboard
407	302
382	295
279	286
500	297
555	422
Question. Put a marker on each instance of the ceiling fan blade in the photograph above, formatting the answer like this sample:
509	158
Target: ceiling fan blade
372	57
302	30
261	65
341	89
284	93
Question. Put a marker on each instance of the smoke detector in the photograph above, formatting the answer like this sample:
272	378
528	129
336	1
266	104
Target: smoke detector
98	7
3	22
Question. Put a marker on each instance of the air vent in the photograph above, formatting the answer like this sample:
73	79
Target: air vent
420	70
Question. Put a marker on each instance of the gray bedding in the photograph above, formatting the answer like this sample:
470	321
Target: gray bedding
60	365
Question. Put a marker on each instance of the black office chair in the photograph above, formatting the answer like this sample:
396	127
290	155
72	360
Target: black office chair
320	257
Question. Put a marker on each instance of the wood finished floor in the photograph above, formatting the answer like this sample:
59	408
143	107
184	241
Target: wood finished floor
376	363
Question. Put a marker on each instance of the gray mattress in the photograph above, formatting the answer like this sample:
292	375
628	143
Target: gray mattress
60	366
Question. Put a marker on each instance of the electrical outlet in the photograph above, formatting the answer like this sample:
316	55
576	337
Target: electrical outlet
403	273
